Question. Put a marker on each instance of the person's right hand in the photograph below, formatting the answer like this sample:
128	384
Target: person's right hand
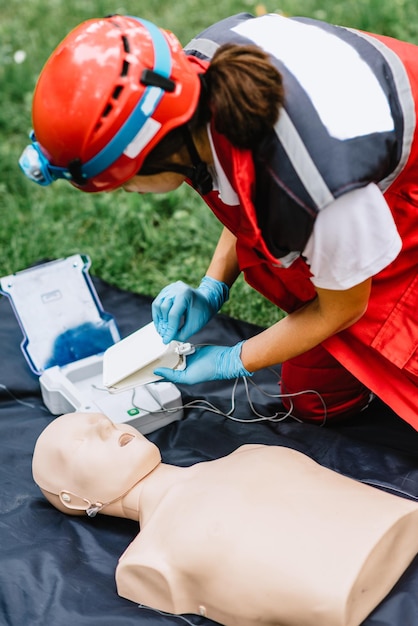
208	363
180	311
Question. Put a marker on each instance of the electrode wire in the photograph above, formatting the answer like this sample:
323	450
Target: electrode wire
209	406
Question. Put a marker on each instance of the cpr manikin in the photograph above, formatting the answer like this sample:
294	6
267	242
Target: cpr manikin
262	536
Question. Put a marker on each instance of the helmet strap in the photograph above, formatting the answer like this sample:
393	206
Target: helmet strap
198	174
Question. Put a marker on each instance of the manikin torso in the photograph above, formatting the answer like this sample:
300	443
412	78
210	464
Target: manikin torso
265	536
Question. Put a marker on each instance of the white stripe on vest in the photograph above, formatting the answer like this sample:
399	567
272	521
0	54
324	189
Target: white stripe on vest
355	105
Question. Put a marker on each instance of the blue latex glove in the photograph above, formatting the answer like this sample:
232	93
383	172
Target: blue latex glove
179	303
208	363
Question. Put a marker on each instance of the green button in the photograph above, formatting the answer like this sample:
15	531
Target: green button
133	411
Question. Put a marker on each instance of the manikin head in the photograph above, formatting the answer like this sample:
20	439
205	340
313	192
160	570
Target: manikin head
83	461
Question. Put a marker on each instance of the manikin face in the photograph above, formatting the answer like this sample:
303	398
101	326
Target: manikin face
155	183
86	454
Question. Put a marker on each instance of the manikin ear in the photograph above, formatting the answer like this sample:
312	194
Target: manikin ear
62	505
72	501
76	503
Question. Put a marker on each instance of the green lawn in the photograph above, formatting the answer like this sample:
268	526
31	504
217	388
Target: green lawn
138	243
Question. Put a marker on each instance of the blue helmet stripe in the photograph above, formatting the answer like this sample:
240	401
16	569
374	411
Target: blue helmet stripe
113	150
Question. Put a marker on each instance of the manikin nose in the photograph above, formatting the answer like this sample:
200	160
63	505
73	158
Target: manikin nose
100	426
105	429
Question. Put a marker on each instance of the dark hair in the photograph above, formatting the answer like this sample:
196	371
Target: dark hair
241	91
245	93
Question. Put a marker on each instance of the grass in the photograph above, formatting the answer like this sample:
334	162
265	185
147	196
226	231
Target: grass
139	244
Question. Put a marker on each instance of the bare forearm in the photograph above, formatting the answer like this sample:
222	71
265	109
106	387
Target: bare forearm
291	336
306	328
224	264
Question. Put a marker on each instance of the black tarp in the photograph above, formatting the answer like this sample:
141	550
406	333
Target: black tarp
59	570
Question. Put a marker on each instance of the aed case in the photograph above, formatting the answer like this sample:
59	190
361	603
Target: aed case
65	333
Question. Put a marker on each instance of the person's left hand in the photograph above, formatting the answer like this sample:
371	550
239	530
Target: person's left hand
208	363
180	311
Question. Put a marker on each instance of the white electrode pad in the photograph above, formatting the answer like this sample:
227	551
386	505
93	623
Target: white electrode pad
132	361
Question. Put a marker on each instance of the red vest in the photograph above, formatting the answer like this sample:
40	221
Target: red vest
381	348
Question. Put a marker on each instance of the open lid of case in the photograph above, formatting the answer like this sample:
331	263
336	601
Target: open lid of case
60	313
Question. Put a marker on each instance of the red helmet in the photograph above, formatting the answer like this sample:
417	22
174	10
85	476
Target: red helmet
106	96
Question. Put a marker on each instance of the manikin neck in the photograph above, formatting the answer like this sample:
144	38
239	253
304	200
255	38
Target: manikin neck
140	501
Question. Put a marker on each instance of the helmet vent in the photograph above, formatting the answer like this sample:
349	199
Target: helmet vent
107	110
116	92
125	43
125	68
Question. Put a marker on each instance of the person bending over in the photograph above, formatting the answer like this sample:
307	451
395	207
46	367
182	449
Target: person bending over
301	137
